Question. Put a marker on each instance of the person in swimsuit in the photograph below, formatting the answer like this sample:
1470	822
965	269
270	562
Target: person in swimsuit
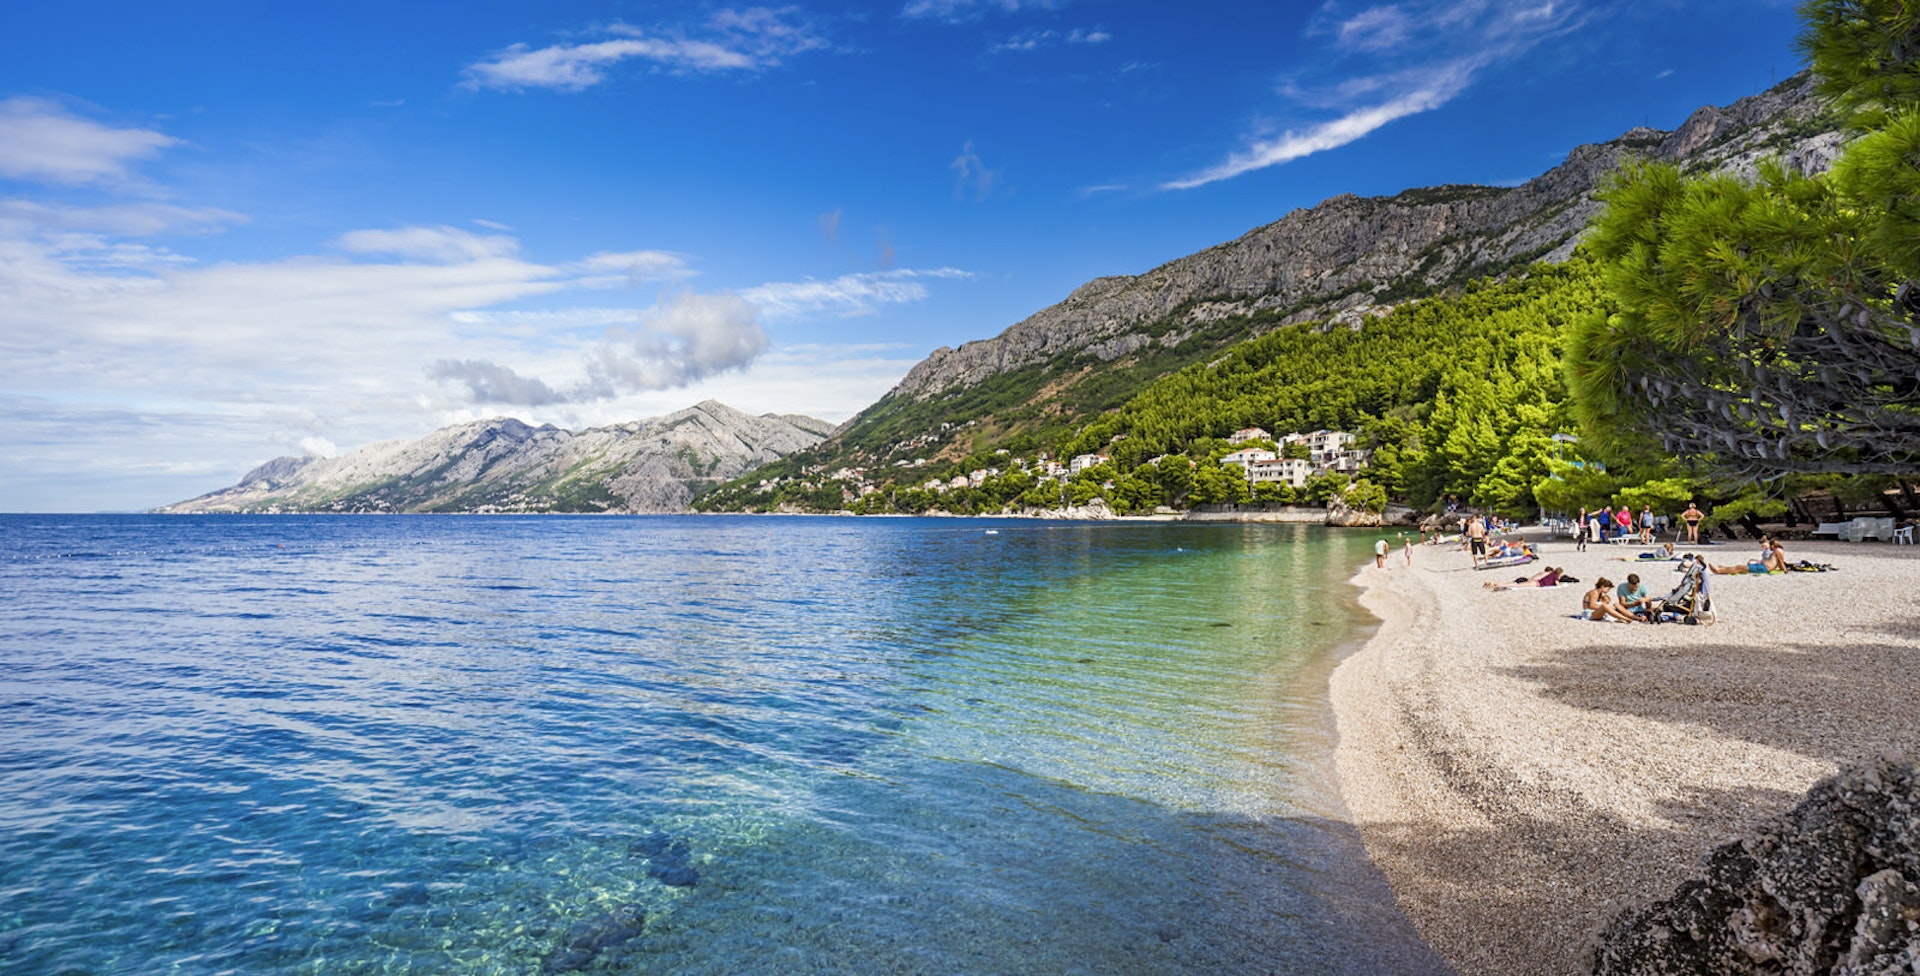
1692	517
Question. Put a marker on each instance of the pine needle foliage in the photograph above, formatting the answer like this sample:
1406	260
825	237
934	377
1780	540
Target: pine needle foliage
1772	327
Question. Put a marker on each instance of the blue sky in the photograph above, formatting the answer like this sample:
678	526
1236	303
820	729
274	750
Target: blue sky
231	231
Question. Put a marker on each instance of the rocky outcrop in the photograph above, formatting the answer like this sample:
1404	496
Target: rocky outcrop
1832	887
504	465
1351	256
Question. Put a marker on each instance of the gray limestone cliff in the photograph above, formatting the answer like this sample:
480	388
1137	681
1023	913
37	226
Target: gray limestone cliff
1351	256
504	465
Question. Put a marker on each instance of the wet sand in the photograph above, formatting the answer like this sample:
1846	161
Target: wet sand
1519	775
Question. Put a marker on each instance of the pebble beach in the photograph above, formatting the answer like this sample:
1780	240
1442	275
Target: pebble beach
1520	775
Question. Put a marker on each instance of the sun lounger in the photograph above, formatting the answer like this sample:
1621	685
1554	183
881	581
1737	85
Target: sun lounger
1862	529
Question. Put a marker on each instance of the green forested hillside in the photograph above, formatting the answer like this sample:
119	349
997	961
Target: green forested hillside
1456	395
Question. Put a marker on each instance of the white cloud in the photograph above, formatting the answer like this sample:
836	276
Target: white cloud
439	245
1371	84
1034	40
734	40
957	10
1376	29
855	294
971	176
686	338
140	219
1333	134
609	269
42	142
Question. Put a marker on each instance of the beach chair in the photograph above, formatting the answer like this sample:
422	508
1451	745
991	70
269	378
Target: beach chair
1691	600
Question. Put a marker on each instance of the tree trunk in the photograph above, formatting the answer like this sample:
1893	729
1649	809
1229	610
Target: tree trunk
1752	525
1893	505
1838	509
1806	512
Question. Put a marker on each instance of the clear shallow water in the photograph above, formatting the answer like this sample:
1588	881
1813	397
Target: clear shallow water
491	745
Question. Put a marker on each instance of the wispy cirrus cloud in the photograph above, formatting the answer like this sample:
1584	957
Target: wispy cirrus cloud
42	142
1432	93
1373	83
960	10
1035	40
847	295
971	177
752	39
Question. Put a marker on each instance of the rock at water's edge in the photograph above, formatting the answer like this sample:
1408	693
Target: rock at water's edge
1832	887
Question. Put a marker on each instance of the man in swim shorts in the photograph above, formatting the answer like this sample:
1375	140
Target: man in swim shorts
1477	540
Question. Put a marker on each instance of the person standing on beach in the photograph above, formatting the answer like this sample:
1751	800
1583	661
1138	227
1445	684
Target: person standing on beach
1692	517
1380	553
1646	525
1605	520
1581	526
1406	546
1477	540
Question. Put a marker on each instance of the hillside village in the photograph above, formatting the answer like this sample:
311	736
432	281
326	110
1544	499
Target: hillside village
1265	464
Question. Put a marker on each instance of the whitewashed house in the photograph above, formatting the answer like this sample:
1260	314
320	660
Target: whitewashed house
1249	455
1084	461
1286	471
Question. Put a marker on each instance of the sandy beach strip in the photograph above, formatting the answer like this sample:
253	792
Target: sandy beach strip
1519	775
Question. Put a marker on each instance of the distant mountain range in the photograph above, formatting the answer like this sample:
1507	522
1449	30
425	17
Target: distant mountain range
503	465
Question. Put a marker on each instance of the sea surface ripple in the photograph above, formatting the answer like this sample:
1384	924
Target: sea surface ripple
447	744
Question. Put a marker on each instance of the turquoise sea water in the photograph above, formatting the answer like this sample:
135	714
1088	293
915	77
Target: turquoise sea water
384	745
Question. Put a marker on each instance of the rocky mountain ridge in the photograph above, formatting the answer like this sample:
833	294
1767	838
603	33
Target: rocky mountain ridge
505	465
1351	256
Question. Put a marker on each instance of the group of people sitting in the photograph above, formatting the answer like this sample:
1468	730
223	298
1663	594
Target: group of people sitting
1631	604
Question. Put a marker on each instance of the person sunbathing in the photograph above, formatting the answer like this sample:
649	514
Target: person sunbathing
1773	559
1664	552
1546	577
1598	604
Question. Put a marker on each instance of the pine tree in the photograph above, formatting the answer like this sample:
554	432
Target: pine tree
1773	327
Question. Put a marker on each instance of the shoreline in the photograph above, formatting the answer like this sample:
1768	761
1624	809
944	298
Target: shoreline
1519	776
